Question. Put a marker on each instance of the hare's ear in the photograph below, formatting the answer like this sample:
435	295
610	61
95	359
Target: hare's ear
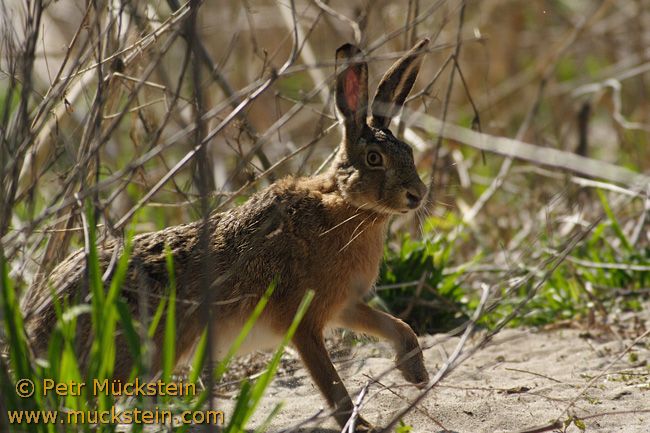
351	90
395	86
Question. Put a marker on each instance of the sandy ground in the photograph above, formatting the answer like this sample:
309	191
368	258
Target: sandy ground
523	379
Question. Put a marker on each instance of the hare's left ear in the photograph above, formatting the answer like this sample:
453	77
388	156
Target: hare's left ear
351	90
395	86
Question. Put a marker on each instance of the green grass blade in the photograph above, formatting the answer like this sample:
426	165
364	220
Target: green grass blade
95	284
111	315
240	412
155	321
131	335
267	422
169	339
201	351
246	329
614	222
265	379
14	326
200	355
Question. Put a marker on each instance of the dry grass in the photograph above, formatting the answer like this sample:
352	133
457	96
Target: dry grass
167	110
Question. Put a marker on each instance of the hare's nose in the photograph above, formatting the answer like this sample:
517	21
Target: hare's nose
413	198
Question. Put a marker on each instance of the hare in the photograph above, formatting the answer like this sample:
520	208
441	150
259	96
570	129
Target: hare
324	233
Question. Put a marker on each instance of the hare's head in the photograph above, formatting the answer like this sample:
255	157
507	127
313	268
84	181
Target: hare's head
373	169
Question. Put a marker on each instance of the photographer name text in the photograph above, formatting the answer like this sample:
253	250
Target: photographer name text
117	388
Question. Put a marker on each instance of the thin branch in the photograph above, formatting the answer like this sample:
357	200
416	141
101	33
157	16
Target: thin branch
434	165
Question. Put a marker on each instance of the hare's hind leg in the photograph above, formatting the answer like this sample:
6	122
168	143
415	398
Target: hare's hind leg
360	317
311	347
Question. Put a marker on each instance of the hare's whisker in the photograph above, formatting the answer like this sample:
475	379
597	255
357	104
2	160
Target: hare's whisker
340	224
351	240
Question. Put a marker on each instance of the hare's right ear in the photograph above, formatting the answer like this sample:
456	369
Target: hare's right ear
351	90
395	86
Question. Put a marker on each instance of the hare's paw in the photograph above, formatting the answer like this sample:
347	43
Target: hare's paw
413	369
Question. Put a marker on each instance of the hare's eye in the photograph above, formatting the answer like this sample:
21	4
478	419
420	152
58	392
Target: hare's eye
374	159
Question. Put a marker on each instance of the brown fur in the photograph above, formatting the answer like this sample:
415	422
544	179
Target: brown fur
322	233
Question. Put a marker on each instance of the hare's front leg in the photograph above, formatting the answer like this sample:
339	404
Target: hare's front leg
310	345
360	317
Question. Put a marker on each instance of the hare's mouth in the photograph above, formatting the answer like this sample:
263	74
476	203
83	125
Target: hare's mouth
388	210
379	206
397	211
404	211
392	210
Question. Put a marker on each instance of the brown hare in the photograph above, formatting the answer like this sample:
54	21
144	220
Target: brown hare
324	233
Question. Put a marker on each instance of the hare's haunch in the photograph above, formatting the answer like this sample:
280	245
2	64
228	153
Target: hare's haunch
324	233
